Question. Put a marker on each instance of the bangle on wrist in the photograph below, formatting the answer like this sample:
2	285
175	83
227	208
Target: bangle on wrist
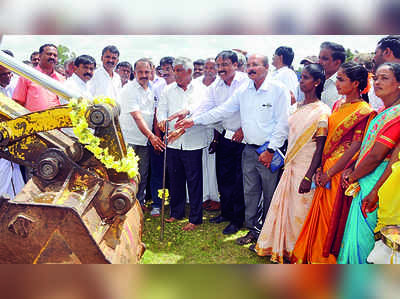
307	178
327	173
350	178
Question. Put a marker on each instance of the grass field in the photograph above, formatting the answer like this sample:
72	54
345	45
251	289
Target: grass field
205	245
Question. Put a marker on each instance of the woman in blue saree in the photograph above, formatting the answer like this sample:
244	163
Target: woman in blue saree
382	135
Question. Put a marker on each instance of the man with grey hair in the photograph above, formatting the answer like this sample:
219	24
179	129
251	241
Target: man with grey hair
227	143
242	62
184	156
69	67
264	112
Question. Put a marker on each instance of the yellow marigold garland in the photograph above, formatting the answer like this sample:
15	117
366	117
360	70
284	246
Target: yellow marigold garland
162	192
128	164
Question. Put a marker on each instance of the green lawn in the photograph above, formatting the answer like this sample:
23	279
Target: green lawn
205	245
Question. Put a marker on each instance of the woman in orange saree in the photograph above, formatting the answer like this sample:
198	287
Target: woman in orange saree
346	126
308	127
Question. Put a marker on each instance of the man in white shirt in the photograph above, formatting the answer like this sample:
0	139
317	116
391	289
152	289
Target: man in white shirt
282	61
124	70
156	76
137	114
387	50
184	156
331	56
198	68
210	187
106	82
167	76
69	67
242	62
264	111
156	158
11	180
84	66
227	145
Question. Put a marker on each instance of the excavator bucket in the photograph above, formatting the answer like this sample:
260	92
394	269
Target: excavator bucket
73	209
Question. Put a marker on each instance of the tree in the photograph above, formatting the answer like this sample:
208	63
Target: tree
350	55
64	53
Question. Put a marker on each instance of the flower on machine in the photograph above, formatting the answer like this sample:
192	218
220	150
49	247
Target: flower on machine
128	164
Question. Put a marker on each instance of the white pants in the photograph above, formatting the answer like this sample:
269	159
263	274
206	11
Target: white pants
11	181
210	187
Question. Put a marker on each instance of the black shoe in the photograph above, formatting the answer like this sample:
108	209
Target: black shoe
231	229
218	219
253	248
247	239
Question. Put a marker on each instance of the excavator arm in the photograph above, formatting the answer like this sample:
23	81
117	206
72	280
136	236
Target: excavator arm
74	209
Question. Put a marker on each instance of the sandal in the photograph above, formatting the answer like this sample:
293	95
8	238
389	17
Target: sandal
247	239
189	227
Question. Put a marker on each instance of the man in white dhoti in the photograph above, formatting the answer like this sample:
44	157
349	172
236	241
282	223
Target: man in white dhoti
11	181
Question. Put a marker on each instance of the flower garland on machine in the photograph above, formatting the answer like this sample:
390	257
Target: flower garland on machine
128	164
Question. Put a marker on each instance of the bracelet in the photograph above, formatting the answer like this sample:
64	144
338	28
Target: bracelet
348	178
327	173
307	178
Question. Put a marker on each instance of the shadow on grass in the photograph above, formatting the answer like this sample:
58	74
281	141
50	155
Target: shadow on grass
205	245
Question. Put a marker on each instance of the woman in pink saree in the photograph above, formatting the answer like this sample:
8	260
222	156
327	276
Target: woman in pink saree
308	128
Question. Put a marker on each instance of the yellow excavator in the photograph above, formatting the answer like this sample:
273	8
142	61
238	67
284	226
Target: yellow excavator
74	209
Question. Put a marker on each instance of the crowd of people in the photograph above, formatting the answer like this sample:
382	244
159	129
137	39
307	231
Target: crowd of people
309	166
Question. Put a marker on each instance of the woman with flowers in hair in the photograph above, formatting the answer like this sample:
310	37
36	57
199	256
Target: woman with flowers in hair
346	126
365	179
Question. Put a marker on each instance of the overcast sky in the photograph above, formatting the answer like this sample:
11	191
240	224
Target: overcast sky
133	47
